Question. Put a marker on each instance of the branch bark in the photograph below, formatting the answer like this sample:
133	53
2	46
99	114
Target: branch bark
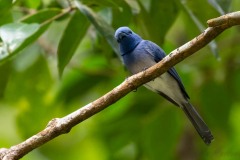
63	125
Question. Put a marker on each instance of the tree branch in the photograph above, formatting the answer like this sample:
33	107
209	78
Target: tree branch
63	125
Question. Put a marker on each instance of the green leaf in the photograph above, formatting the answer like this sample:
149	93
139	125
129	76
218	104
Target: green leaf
5	12
124	13
14	34
156	20
71	38
41	16
101	25
17	36
33	4
26	33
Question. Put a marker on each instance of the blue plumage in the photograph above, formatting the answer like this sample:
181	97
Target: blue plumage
139	54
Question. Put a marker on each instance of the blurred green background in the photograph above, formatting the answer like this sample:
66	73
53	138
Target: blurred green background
53	61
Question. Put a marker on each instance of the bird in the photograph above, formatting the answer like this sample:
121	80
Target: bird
138	55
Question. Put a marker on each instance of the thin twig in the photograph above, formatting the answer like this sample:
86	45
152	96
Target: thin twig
63	125
64	12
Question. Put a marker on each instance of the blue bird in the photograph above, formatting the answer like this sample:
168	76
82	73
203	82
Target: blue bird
139	54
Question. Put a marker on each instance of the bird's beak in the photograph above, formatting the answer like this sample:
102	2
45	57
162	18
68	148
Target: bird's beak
120	36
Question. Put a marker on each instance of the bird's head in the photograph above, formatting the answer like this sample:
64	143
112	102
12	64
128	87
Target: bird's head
123	32
127	39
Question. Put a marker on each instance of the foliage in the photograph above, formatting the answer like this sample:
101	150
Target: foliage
56	56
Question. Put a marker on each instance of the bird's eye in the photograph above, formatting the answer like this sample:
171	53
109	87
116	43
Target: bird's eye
129	32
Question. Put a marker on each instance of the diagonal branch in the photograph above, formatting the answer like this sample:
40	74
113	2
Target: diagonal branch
63	125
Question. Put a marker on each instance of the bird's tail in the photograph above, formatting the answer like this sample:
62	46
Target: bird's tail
198	122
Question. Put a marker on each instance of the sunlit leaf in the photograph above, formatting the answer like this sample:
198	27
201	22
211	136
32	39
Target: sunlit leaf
71	38
17	36
14	34
101	25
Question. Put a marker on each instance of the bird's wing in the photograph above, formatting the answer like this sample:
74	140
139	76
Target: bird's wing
158	54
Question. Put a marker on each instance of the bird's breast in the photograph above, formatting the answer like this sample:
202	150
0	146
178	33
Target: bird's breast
138	61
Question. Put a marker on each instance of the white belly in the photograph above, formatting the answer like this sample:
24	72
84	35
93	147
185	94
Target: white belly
168	85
